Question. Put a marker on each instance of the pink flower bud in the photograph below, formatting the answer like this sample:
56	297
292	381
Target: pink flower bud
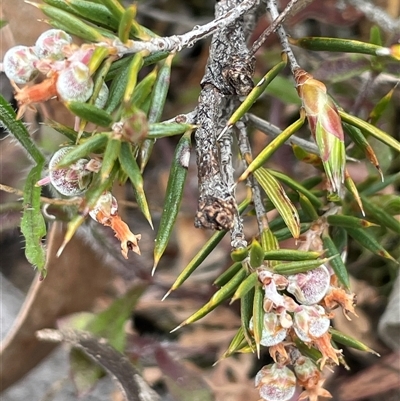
74	83
72	180
309	287
272	333
275	383
50	44
19	64
310	322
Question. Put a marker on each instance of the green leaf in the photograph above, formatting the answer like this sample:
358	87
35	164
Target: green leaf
300	266
18	130
109	158
258	316
336	262
173	197
336	45
367	241
272	147
245	286
238	342
131	168
349	341
256	254
291	255
33	226
348	221
90	145
90	113
371	130
223	294
256	92
278	197
161	130
125	23
110	324
84	372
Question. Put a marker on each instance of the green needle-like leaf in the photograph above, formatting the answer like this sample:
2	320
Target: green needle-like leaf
291	255
109	158
370	129
245	286
367	241
349	341
272	147
33	226
348	221
336	262
278	197
258	316
131	168
300	266
220	296
256	254
173	197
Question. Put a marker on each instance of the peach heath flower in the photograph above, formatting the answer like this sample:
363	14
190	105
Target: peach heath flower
106	213
309	377
326	127
275	383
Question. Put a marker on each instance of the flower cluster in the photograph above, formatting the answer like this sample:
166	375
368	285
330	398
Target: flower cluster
64	65
298	309
74	180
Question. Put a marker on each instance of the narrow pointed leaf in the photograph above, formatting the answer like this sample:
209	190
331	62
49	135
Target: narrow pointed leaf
349	341
143	89
134	68
173	197
125	23
381	216
92	12
131	168
361	142
291	255
348	221
336	45
237	343
268	240
203	253
285	233
258	316
90	113
68	132
380	107
308	207
157	102
95	143
300	266
109	158
278	196
351	186
114	6
371	130
336	262
368	241
246	313
368	188
72	24
272	147
161	130
245	286
310	352
224	293
117	88
18	130
227	275
33	226
256	254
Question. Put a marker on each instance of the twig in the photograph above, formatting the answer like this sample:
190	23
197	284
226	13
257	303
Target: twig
273	10
273	27
245	151
377	15
43	199
272	130
176	43
228	75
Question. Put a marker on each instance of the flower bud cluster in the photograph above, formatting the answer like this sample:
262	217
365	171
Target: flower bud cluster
298	307
74	180
63	64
